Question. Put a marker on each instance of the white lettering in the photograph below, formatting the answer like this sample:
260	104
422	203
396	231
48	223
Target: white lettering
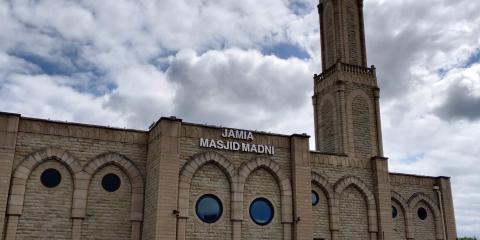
237	146
250	136
203	142
246	147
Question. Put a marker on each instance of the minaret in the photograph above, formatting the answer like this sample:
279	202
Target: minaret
346	106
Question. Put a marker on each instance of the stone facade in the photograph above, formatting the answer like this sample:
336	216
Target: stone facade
161	173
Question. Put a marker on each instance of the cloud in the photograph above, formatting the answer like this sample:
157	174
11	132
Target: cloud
460	104
240	88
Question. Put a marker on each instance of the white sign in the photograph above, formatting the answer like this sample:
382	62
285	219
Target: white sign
237	146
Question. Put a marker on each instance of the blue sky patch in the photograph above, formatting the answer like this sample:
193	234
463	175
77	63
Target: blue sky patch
474	58
413	158
300	7
285	51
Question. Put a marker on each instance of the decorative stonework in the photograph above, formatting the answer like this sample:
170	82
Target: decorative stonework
81	180
237	179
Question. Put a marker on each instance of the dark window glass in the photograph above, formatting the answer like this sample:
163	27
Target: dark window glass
422	213
394	212
209	208
315	198
51	178
111	182
261	211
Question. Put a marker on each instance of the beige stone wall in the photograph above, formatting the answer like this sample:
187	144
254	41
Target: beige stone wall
327	126
36	135
399	229
353	215
209	179
352	32
321	222
350	179
362	141
8	138
108	213
329	36
361	121
190	139
262	184
424	229
47	211
82	149
413	192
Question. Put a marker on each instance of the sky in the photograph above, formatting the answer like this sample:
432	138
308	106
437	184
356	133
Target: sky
249	64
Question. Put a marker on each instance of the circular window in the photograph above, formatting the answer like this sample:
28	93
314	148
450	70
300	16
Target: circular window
394	212
209	208
261	211
111	182
51	178
422	213
315	198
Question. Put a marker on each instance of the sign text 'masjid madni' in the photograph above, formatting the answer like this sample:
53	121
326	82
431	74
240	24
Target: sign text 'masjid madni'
237	146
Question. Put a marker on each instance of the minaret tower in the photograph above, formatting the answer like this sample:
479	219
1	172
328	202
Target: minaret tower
346	95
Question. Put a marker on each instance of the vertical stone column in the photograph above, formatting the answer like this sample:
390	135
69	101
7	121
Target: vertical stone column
161	193
11	232
315	120
8	140
301	174
447	203
77	228
341	118
383	197
378	121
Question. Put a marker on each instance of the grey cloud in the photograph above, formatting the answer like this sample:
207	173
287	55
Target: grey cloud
459	104
404	35
241	88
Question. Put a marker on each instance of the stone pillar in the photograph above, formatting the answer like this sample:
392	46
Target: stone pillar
302	178
315	120
378	121
8	140
447	203
77	229
11	233
383	197
237	229
161	193
287	231
341	142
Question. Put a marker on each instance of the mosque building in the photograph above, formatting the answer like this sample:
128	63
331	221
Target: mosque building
186	181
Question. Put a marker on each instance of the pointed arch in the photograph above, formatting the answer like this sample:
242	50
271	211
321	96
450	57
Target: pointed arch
282	179
134	175
402	202
23	171
189	170
21	174
356	182
327	189
422	197
323	184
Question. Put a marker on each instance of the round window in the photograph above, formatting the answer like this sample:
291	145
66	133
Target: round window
111	182
51	178
422	213
261	211
209	208
394	212
315	198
